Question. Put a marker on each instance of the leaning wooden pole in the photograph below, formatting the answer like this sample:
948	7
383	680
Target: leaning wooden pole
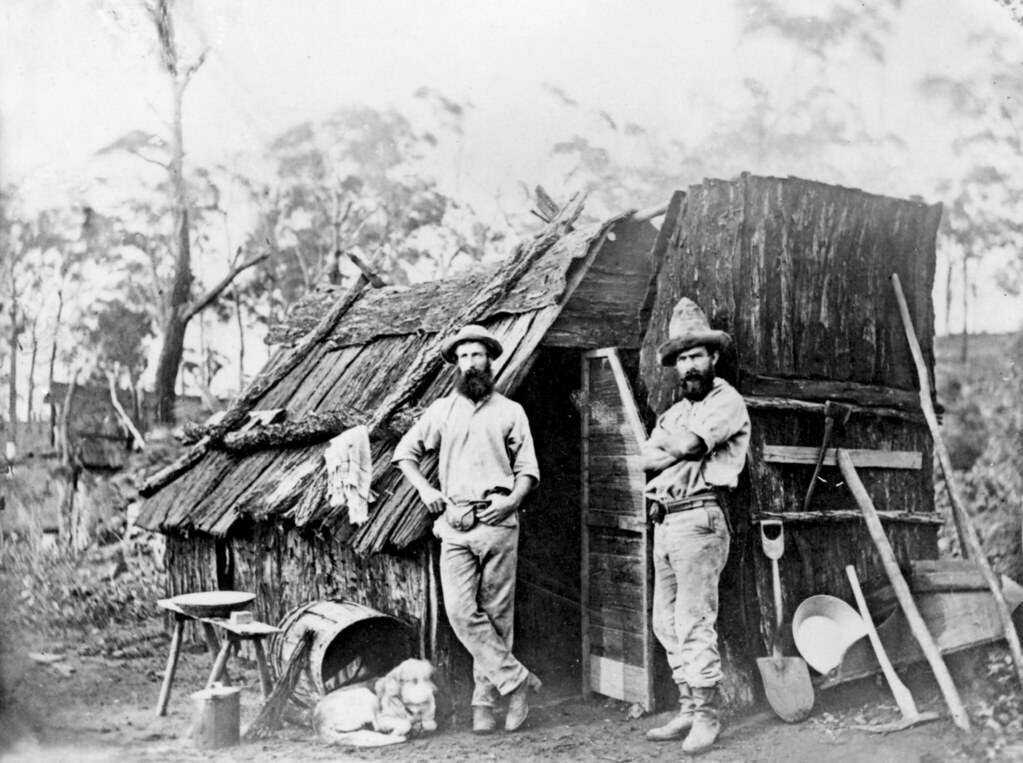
891	567
959	516
968	538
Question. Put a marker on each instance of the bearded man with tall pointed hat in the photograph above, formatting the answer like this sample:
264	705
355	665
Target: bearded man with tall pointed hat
486	464
697	450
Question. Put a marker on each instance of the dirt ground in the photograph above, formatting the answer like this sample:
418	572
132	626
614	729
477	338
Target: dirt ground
100	708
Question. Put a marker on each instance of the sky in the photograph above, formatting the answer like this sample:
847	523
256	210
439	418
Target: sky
77	74
273	64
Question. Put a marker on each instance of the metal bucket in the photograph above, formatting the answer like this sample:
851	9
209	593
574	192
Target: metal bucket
216	717
351	643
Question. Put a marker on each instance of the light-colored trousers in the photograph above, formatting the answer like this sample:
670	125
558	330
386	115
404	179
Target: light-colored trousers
477	575
690	550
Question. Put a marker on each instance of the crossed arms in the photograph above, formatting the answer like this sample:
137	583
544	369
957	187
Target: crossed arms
662	450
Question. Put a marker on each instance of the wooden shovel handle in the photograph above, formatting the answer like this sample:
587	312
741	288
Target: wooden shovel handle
902	593
902	695
776	585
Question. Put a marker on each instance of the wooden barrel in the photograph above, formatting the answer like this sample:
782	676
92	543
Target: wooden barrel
351	643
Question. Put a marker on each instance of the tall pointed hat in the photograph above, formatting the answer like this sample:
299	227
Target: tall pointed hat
689	328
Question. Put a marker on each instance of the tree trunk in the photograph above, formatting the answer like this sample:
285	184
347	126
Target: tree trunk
167	369
7	250
241	340
176	322
12	400
53	359
32	369
948	295
964	347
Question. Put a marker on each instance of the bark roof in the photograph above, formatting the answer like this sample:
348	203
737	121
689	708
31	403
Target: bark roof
426	307
354	368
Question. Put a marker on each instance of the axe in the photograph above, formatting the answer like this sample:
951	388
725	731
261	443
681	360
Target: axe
833	412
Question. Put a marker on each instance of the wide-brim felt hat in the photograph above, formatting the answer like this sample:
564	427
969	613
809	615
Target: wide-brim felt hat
689	328
471	333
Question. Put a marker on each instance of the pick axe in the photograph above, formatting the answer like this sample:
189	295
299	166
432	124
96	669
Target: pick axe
833	412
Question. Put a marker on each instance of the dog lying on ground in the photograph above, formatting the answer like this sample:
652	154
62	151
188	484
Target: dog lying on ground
399	705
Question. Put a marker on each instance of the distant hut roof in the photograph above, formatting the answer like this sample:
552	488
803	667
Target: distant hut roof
354	368
97	435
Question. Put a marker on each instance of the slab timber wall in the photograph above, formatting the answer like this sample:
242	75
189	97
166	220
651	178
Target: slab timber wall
798	273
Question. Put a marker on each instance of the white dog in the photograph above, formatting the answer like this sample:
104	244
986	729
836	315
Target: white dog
400	704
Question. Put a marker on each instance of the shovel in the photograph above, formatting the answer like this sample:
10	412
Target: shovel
786	679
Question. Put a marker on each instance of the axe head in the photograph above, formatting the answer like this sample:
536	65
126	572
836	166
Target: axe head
839	412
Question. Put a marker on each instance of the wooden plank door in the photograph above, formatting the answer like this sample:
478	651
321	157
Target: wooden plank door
615	582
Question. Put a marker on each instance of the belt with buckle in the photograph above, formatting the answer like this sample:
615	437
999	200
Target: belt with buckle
689	503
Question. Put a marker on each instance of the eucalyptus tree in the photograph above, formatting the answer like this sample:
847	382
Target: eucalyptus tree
179	301
983	184
42	263
362	181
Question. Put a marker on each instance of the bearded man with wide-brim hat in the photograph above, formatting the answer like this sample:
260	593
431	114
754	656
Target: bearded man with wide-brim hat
697	450
486	464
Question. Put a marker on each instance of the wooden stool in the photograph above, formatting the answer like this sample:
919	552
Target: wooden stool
219	648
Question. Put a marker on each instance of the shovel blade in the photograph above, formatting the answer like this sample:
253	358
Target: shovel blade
787	687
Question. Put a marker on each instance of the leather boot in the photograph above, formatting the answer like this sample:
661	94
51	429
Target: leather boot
483	721
679	724
518	703
706	725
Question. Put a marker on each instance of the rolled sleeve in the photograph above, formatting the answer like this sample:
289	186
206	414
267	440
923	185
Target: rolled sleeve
521	451
423	437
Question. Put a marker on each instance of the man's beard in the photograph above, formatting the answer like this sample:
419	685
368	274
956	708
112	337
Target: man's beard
476	383
696	384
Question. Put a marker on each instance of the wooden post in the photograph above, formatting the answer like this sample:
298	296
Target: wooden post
891	567
220	663
172	665
265	682
584	535
968	539
635	423
213	647
433	596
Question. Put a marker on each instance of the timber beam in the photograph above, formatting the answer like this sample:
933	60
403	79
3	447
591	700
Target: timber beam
770	403
821	390
845	515
862	459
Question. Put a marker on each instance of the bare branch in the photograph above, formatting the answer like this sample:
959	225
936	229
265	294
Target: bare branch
164	22
193	68
210	296
306	276
138	443
157	162
344	215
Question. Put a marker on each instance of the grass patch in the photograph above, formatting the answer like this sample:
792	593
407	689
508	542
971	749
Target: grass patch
55	596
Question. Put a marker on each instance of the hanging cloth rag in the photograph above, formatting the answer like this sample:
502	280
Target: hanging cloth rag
350	473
